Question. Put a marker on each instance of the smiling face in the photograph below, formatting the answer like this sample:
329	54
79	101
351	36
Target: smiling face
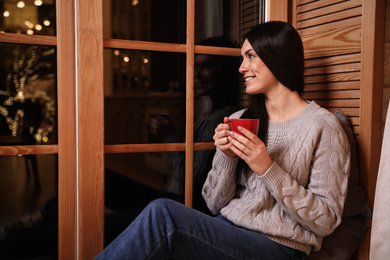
205	75
258	78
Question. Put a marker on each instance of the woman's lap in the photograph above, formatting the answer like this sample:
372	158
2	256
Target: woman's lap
168	228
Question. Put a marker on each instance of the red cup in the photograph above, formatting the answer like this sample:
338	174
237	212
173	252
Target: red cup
250	124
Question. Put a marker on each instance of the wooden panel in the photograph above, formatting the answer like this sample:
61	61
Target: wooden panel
339	103
372	79
141	45
349	94
66	131
167	47
190	102
143	148
329	18
90	128
199	49
333	60
28	149
336	25
302	2
350	67
332	12
277	10
371	101
304	6
28	39
337	77
334	39
333	86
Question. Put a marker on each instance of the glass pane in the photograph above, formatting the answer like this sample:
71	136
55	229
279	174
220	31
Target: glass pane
230	19
133	180
145	20
144	96
27	184
28	94
34	17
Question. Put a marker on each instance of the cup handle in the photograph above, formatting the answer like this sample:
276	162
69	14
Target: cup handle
229	123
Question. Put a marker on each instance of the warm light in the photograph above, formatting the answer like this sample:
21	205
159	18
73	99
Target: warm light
29	24
134	2
38	2
117	52
38	137
126	59
6	14
20	4
38	27
45	139
46	22
146	60
30	32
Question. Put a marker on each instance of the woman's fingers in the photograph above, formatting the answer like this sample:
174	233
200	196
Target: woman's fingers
252	151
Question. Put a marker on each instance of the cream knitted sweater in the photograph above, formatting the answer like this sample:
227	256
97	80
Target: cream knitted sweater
300	198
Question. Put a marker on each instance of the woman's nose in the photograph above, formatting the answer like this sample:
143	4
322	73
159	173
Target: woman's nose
242	67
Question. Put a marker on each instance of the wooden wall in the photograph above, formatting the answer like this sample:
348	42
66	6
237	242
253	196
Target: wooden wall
386	75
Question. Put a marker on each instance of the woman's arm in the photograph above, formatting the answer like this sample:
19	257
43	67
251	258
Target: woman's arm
220	185
318	206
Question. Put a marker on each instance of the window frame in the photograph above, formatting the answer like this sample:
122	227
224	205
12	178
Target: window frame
81	162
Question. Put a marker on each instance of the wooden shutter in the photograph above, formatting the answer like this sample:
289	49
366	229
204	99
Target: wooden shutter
343	43
331	32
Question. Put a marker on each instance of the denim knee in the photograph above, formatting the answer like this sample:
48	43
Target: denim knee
161	203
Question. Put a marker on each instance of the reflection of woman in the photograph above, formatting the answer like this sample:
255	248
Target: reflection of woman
275	195
216	92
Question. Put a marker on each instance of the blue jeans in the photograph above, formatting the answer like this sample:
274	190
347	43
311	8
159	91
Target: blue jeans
170	230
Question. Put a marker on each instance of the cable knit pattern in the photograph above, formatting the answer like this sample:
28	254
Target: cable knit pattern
300	198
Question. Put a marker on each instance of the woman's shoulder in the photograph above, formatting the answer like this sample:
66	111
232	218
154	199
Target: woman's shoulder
324	117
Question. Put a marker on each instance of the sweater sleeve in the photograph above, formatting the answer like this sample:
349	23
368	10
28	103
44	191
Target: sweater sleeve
317	206
220	185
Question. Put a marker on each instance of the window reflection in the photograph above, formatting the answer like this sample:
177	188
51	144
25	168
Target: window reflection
226	18
153	117
165	21
145	20
33	17
141	85
28	95
26	183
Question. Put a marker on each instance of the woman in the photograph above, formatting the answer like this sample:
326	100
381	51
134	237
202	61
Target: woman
276	195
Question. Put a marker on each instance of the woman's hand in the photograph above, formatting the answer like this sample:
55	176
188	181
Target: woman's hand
251	149
221	138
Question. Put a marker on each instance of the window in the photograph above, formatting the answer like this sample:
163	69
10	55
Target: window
150	57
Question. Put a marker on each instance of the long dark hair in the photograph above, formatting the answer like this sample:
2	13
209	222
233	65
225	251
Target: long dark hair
280	47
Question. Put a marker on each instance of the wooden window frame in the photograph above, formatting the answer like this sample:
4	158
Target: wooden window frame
80	46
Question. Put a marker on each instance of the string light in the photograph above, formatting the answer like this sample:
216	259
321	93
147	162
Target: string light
21	94
38	2
21	4
29	24
38	27
6	14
